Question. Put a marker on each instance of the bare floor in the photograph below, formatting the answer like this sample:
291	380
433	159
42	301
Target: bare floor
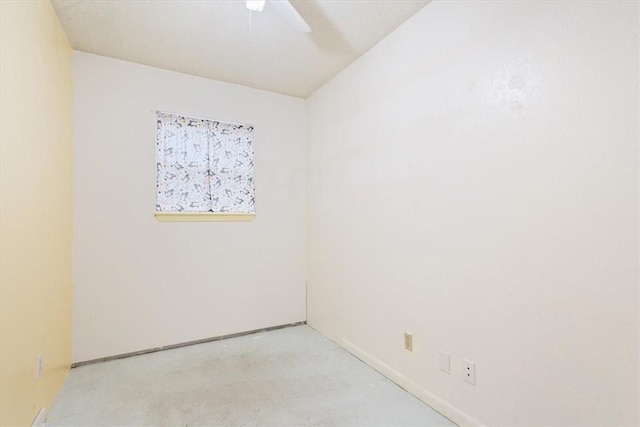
291	376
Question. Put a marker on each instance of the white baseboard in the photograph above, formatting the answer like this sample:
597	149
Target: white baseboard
39	421
442	406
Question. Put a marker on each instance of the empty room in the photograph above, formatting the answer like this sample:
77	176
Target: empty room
319	213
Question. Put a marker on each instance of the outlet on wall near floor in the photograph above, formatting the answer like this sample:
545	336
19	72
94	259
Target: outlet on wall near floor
408	341
39	366
444	362
469	371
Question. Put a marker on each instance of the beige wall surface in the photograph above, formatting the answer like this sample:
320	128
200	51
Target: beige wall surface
140	283
35	208
474	179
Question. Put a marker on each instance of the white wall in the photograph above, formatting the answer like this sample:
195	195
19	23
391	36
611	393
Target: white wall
474	179
139	283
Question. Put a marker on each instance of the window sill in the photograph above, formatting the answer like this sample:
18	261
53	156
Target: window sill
203	217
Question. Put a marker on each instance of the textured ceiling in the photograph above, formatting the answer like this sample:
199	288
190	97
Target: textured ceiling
213	39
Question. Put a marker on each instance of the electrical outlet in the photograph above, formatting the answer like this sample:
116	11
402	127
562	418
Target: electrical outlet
39	366
469	371
408	341
444	361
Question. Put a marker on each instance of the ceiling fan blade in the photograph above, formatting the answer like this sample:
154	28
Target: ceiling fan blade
292	16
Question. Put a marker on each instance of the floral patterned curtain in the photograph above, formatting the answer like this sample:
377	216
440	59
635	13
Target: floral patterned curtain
203	165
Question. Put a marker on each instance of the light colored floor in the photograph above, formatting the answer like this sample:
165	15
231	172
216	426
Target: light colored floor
291	376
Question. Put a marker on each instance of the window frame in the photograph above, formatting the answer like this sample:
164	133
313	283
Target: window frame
209	216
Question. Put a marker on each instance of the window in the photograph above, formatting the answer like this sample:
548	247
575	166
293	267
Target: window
203	166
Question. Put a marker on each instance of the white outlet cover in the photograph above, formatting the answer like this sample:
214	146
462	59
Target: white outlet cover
39	366
408	341
469	371
444	362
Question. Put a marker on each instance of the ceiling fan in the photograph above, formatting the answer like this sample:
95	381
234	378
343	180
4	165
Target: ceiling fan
286	9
